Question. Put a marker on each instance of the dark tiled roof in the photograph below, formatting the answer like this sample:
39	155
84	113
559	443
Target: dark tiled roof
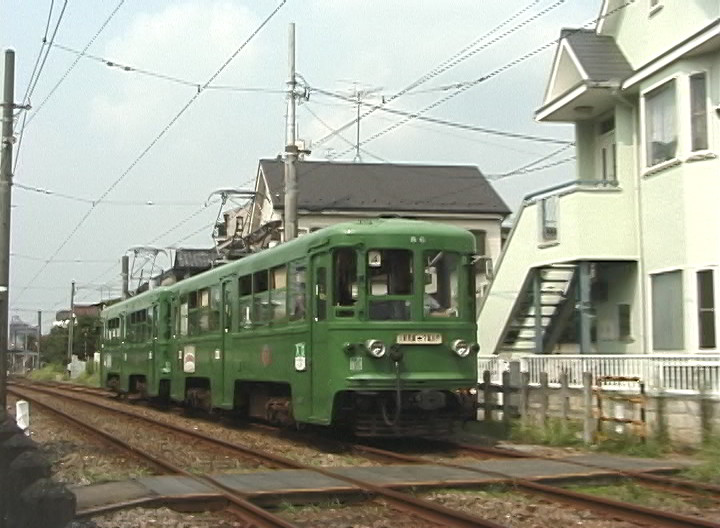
385	187
599	55
195	258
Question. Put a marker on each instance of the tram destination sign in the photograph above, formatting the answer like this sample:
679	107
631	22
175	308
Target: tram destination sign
419	339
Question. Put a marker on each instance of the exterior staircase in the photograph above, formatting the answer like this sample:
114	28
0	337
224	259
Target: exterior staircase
542	310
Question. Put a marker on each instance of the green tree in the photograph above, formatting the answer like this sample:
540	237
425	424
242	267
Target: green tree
86	341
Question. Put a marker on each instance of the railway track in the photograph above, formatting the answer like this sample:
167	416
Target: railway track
604	506
426	510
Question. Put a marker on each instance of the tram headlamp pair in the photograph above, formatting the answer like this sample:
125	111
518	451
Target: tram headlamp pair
375	348
462	348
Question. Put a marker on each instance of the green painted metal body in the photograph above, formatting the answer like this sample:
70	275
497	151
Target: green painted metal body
316	358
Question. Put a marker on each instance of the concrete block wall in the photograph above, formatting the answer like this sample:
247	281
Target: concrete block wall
28	497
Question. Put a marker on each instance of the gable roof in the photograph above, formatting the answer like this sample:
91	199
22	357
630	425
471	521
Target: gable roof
194	258
385	187
599	55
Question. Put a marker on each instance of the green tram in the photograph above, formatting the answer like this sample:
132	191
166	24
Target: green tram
368	326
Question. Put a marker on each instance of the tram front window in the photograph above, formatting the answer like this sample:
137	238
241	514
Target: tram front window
390	284
440	298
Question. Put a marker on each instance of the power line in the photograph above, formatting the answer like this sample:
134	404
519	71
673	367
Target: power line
454	60
524	168
435	120
134	203
37	71
75	62
74	261
495	177
463	87
154	141
162	76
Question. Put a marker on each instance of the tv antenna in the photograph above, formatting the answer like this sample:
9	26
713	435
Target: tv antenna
360	95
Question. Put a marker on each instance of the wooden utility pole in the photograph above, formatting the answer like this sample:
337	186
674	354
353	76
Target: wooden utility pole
291	150
8	106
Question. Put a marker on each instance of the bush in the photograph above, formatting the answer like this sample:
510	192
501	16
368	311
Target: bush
555	432
88	378
50	372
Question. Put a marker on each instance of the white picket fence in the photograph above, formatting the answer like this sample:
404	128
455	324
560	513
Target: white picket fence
678	373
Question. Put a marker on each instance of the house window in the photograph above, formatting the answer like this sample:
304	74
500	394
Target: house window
698	111
548	210
480	244
667	311
706	308
660	126
624	330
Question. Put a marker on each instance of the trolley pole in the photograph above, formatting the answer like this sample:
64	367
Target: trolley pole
8	106
71	324
291	150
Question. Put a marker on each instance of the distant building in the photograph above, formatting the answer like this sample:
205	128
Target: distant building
81	310
22	345
188	262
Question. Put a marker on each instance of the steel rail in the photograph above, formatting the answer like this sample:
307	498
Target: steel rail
429	511
245	510
624	510
660	481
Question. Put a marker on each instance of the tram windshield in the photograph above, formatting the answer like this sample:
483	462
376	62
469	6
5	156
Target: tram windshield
440	297
390	284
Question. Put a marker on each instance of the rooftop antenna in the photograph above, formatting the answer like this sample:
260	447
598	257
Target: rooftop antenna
359	95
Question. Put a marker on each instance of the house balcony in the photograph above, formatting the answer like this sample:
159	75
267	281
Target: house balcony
547	262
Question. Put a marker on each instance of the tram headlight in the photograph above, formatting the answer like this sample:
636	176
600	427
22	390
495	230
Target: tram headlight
375	348
460	347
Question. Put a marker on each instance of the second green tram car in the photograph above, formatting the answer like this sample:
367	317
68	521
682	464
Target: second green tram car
368	326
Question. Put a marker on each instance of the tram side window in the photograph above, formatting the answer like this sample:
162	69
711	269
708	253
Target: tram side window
138	328
113	329
245	302
297	287
203	311
390	273
321	294
278	293
183	316
440	298
345	292
261	302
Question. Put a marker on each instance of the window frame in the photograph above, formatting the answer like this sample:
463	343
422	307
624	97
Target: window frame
646	96
703	310
664	307
695	114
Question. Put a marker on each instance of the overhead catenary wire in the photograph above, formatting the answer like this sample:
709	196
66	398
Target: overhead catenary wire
155	140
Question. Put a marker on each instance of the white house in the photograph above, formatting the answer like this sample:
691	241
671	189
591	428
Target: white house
622	259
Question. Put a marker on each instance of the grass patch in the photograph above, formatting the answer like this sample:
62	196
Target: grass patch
709	468
629	491
630	445
556	432
50	372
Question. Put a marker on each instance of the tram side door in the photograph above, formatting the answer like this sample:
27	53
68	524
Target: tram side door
319	299
219	360
154	349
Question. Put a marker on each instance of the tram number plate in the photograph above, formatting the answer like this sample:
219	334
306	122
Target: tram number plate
419	339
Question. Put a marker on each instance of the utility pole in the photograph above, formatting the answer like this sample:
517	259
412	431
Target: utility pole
125	277
71	324
39	336
8	106
291	150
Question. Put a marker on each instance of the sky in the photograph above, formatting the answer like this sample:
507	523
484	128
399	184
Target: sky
123	170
